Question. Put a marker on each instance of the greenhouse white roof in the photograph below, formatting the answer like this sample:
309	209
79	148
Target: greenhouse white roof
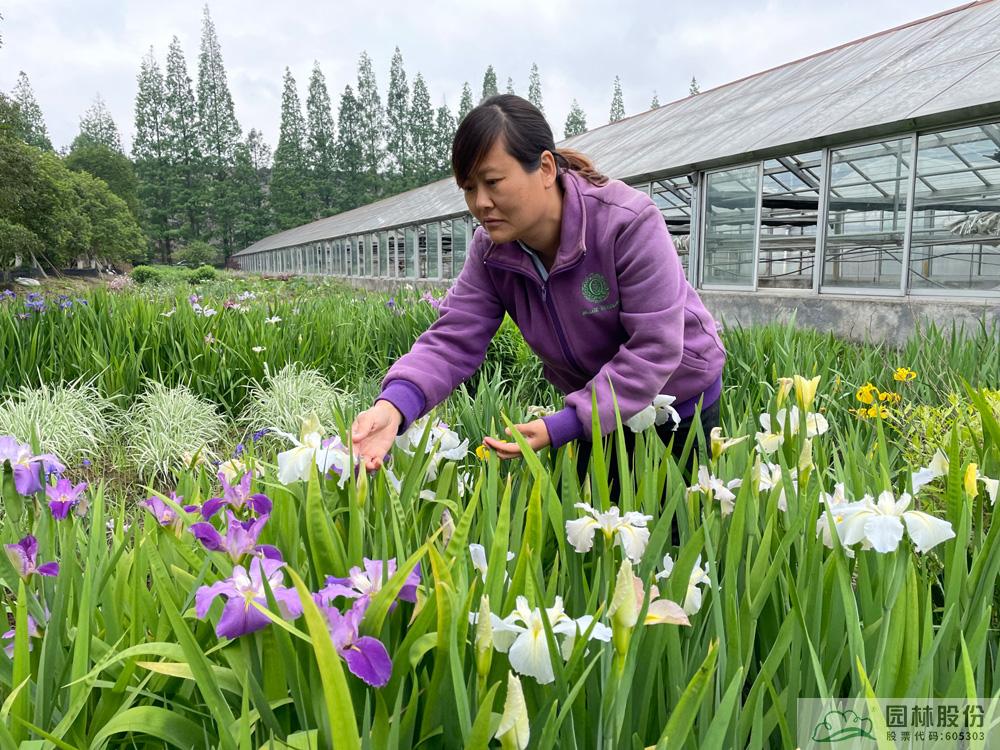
935	70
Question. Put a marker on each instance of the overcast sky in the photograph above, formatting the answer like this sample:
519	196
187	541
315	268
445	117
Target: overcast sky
73	49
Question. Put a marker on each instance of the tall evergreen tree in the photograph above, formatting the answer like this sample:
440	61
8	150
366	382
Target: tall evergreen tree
655	104
150	151
576	121
220	130
510	85
444	134
617	102
250	179
36	133
465	104
292	195
489	83
321	143
535	88
398	128
422	132
98	126
694	88
219	133
180	125
372	125
350	160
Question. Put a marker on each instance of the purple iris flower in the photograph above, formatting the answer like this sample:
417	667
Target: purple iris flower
257	436
363	584
63	496
33	632
431	300
240	539
237	496
24	557
239	616
239	450
25	465
164	514
366	657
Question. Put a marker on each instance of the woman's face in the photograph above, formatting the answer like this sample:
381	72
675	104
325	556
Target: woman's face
508	201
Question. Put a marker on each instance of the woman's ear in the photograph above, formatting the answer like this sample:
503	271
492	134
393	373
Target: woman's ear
548	169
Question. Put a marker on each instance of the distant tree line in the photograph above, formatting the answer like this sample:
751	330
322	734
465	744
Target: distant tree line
195	187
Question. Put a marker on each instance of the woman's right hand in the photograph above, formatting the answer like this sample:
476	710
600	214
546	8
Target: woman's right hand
373	433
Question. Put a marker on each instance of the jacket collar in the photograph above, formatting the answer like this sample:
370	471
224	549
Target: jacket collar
571	233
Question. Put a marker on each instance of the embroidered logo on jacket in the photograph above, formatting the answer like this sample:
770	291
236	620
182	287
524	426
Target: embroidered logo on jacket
595	288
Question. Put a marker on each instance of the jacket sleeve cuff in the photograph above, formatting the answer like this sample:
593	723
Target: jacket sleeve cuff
563	426
406	397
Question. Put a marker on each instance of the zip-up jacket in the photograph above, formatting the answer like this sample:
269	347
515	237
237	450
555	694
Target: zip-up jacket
615	312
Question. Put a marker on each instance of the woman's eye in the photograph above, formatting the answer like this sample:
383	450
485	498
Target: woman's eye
492	183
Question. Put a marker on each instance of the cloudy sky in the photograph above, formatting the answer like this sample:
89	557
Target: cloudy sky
73	49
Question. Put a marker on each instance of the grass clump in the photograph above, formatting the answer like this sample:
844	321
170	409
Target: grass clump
169	429
73	421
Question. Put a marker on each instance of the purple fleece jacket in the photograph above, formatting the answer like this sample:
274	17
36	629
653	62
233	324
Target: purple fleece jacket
616	307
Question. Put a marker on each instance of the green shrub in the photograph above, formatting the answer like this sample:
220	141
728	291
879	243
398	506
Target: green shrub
196	253
147	274
202	274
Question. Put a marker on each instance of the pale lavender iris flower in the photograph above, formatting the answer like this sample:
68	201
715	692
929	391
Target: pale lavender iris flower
25	465
240	539
63	496
363	584
366	657
244	587
24	557
237	496
33	632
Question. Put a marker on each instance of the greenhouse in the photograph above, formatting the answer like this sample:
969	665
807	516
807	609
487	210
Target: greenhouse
872	168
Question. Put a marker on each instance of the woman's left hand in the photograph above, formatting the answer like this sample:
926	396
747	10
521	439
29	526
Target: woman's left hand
534	432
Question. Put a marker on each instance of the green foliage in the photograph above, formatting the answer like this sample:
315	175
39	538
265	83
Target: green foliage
203	273
535	88
196	253
617	102
35	133
97	127
17	241
489	84
321	143
147	274
109	165
576	121
292	194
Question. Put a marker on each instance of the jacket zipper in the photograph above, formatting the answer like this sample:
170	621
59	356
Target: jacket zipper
551	308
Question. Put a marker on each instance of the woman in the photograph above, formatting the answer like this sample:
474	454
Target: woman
586	269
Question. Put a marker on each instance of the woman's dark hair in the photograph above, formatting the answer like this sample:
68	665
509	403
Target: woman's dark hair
525	134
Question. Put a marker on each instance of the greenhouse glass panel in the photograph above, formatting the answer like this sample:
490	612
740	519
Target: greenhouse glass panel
673	197
731	226
383	254
866	220
410	245
447	257
789	216
433	232
955	238
459	243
